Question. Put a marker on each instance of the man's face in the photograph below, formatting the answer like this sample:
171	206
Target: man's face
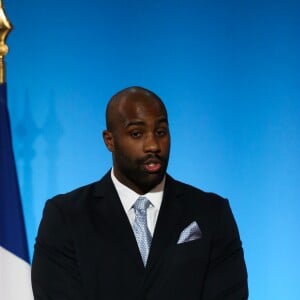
139	142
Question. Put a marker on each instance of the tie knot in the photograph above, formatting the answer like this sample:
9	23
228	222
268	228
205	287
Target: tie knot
141	204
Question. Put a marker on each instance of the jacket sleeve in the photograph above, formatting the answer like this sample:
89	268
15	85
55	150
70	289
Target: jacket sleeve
227	275
55	273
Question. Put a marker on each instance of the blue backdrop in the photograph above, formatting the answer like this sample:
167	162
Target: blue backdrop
229	73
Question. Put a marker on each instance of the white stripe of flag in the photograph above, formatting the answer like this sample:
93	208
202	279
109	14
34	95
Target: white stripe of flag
15	281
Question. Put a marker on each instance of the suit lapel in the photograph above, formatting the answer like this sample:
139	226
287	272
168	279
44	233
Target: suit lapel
168	224
108	215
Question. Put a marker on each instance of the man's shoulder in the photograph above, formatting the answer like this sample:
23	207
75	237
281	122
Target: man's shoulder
196	196
82	193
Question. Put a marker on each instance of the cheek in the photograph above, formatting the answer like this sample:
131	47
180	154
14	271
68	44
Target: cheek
165	145
133	152
128	149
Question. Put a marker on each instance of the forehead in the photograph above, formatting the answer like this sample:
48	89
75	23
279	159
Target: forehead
139	106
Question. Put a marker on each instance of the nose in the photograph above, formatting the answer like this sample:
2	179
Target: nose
151	143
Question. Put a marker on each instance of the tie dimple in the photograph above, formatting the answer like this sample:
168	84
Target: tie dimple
140	228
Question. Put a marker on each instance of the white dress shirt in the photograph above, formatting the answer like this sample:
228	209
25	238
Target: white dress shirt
128	198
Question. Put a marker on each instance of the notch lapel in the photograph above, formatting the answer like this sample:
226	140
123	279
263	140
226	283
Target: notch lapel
110	219
168	224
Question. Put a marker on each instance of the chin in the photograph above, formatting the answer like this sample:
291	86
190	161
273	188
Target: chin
153	180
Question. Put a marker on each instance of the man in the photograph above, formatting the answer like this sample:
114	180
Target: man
137	233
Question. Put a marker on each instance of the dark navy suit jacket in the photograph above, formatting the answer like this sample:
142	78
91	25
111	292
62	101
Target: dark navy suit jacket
86	249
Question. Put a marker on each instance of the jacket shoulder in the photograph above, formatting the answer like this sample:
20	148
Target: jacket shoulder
81	195
196	196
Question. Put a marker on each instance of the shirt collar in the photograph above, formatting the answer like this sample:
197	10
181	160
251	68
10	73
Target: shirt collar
128	196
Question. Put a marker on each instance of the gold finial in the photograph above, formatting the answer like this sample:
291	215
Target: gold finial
5	28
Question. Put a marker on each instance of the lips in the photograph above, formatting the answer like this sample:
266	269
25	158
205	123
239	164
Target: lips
152	165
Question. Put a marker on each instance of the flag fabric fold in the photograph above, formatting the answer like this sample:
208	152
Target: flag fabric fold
15	281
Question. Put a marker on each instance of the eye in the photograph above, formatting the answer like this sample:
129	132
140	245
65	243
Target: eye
136	134
162	132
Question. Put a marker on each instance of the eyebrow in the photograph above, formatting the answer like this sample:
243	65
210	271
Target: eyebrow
138	122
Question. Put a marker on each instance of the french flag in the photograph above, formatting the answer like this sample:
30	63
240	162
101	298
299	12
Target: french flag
15	283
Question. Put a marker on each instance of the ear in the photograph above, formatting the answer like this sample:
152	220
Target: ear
108	140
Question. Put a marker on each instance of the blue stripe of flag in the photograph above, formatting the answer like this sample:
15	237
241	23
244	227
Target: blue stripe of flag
12	229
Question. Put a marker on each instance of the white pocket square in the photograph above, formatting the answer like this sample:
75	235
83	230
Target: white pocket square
190	233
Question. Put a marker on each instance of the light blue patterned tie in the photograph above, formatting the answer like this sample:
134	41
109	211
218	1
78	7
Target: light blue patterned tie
140	228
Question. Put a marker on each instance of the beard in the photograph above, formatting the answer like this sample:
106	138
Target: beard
133	173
